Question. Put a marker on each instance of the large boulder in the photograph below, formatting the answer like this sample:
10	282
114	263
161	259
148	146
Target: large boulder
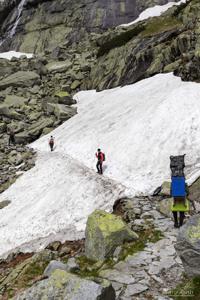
54	265
166	188
6	67
104	232
20	79
62	285
164	207
188	246
59	66
15	101
194	191
65	98
35	130
64	112
8	112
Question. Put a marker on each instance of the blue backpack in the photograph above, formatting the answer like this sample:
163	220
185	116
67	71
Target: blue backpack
178	187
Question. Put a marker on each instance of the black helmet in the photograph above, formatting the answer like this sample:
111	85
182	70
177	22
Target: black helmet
98	149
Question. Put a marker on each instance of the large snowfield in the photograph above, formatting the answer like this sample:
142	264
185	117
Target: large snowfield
137	126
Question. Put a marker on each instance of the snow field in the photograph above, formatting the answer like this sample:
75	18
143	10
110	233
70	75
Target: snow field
138	127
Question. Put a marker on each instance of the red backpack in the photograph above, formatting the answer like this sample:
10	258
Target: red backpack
51	141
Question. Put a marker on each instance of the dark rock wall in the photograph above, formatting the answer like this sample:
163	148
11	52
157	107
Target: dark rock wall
169	43
45	24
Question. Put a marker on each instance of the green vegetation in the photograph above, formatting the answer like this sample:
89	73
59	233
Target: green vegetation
189	289
119	39
62	94
149	235
90	268
31	272
28	274
159	25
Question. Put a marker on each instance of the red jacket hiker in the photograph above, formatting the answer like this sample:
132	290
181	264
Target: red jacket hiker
100	158
51	143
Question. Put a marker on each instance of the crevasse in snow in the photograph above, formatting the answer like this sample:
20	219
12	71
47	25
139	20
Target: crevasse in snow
138	126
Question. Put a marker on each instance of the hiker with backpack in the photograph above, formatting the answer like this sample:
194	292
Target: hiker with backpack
179	190
180	205
100	159
51	143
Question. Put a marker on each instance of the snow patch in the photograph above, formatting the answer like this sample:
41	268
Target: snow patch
155	11
10	54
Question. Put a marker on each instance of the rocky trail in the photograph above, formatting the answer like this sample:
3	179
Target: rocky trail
153	272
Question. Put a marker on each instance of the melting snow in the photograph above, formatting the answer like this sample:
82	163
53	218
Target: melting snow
155	11
10	54
138	126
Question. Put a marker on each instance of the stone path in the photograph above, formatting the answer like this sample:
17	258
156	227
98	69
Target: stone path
151	273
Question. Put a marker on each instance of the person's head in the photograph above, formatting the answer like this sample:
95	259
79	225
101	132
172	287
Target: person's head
99	150
51	136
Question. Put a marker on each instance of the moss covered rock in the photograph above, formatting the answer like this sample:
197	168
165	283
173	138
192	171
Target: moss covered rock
194	191
164	206
20	79
59	66
62	285
188	246
64	98
166	188
104	232
23	275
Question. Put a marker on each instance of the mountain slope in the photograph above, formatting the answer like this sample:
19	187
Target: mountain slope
169	43
48	24
138	126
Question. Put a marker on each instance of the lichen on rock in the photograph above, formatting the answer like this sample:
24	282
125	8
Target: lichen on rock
104	232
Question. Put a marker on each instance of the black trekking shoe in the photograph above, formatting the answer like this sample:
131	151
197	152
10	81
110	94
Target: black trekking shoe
176	225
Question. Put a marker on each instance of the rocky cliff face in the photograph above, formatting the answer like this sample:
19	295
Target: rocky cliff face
170	43
46	24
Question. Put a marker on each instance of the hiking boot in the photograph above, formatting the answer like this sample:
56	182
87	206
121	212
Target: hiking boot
176	225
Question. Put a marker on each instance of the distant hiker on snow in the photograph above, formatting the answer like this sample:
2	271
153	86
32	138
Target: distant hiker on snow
100	159
51	143
11	138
